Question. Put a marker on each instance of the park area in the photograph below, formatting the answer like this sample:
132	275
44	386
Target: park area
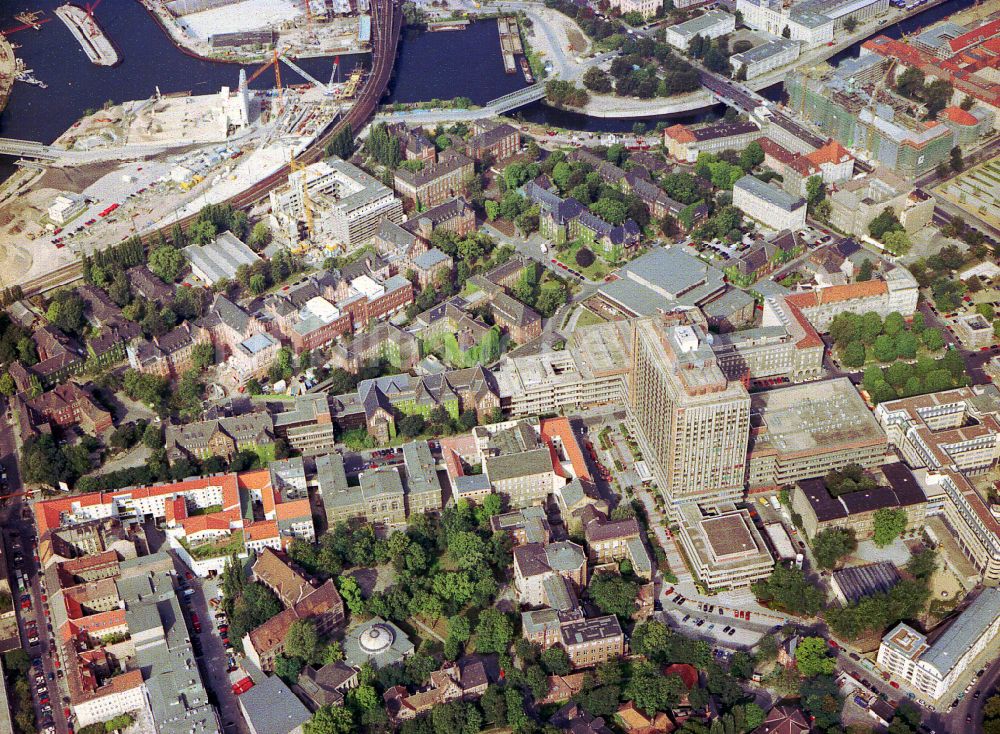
595	268
899	359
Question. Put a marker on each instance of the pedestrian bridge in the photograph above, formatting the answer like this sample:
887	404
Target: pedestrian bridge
516	99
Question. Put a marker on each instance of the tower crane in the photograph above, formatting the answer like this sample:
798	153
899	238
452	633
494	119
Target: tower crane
307	209
874	100
277	71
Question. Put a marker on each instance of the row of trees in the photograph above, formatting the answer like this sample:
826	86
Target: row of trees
860	338
16	666
926	375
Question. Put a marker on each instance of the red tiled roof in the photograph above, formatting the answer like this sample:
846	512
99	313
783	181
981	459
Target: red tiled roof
959	69
972	37
201	523
832	152
960	116
561	428
680	133
687	673
838	293
48	513
260	530
797	162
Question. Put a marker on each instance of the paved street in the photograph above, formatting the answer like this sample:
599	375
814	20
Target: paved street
20	539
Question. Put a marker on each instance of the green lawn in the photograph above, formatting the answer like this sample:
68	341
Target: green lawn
265	453
588	318
595	271
227	547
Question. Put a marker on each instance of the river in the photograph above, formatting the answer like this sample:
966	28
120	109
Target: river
149	60
443	64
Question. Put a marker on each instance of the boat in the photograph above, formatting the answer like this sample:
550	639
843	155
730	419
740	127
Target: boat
526	70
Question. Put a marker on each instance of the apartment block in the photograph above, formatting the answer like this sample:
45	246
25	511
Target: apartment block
685	143
855	203
590	642
765	57
767	203
646	8
692	423
277	513
591	371
518	464
934	668
960	519
169	355
711	24
434	184
496	141
897	292
957	429
223	437
541	570
307	424
610	541
380	495
898	490
792	349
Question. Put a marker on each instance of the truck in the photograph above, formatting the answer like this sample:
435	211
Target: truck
774	502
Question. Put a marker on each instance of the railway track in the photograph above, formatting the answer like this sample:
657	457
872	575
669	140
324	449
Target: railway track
387	23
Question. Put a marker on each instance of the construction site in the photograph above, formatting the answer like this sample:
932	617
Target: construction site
862	104
252	29
136	167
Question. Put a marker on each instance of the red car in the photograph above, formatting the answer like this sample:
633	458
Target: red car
894	684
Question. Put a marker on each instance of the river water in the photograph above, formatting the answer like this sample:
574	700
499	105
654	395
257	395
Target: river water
444	64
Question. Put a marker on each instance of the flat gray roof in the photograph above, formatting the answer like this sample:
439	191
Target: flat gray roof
771	194
814	416
220	258
273	708
764	51
691	28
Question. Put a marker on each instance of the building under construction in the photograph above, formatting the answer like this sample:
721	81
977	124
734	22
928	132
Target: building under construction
339	204
856	105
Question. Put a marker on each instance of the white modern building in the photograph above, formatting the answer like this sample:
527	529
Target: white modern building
770	16
768	204
646	8
813	22
934	668
66	206
762	59
712	24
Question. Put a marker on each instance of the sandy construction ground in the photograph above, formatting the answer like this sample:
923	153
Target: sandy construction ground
243	16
